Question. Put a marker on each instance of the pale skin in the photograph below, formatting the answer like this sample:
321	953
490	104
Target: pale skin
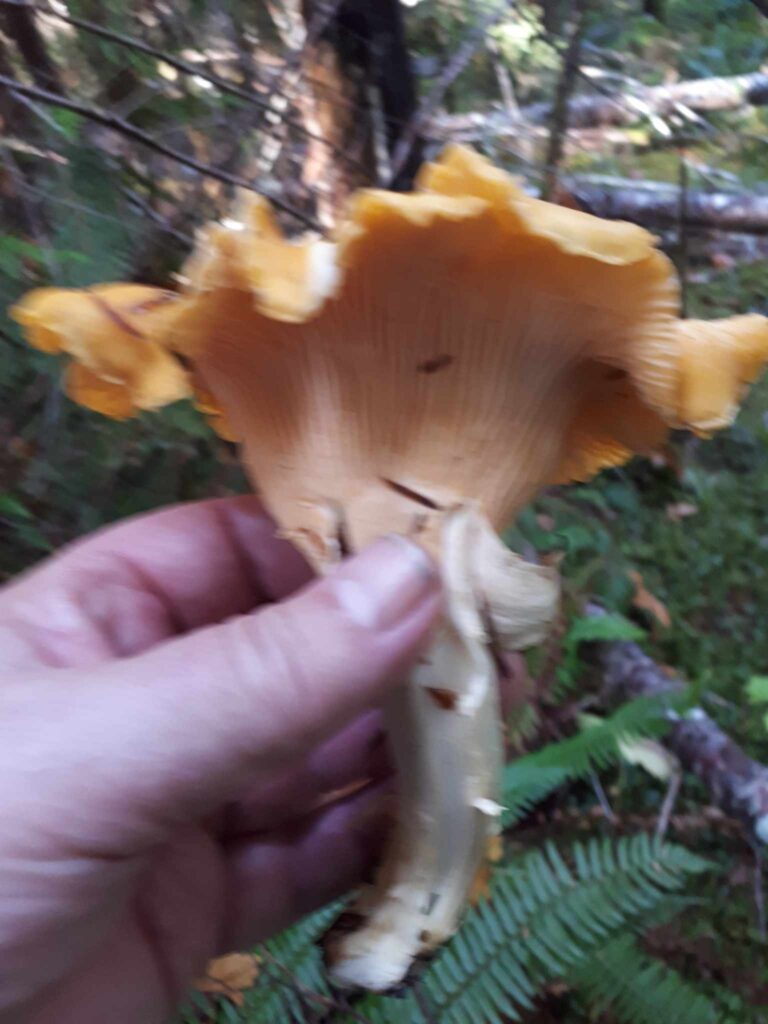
189	757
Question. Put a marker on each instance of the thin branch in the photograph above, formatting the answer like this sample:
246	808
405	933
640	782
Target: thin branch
453	68
683	246
163	224
759	891
561	107
130	131
670	799
187	68
504	79
602	798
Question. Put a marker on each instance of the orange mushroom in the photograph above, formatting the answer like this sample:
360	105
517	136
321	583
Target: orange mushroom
442	358
111	333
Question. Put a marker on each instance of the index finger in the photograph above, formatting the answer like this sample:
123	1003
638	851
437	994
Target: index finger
131	586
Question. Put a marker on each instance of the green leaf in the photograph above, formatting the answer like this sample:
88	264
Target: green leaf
575	538
530	779
635	988
12	508
33	538
757	690
606	628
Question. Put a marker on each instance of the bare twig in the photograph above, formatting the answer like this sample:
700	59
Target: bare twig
670	799
602	797
163	224
187	68
130	131
504	80
683	254
453	68
759	891
561	107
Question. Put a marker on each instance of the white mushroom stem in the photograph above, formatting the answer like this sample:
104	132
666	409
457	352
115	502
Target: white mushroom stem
445	730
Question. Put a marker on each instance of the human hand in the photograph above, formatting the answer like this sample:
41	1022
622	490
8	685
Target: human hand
176	746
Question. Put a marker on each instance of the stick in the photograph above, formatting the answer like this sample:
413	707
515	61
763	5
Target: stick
117	124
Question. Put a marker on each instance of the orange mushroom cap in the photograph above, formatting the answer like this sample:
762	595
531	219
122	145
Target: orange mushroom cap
463	340
112	333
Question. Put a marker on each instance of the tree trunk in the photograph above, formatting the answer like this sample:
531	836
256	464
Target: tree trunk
20	26
391	73
357	68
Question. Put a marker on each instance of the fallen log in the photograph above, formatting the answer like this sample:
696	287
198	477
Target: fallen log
700	95
657	205
737	784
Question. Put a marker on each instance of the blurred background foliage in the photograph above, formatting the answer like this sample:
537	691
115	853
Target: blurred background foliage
129	126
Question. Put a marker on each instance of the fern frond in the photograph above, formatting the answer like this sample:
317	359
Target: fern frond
546	916
638	989
588	630
533	777
291	965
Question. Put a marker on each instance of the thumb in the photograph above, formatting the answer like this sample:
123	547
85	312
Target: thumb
168	736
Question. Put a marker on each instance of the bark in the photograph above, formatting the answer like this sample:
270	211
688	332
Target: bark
737	784
360	51
391	73
335	109
657	205
20	25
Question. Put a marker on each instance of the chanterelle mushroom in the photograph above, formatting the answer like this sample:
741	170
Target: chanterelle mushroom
446	355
